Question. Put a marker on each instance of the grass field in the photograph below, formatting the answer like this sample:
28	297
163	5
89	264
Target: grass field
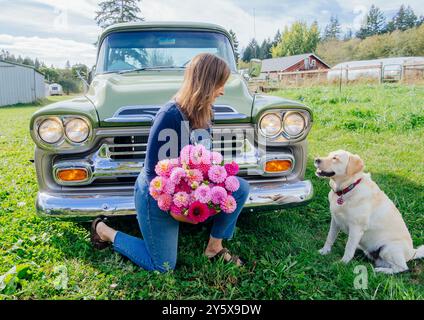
41	259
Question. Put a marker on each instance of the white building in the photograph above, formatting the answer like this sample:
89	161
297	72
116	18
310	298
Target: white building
384	69
55	89
20	84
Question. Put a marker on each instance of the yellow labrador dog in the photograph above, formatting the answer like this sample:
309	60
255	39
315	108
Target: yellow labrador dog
362	210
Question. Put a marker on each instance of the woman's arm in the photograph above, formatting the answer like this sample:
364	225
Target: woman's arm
163	142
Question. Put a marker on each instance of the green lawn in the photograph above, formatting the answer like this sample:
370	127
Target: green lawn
54	260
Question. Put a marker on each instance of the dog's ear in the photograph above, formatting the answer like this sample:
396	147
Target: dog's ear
355	165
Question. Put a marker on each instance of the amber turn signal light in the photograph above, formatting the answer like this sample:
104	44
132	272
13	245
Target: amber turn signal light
278	165
72	175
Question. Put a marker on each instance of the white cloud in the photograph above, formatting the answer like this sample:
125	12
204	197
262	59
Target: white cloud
222	12
58	30
51	50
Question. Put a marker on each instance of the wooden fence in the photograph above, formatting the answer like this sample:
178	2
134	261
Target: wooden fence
348	74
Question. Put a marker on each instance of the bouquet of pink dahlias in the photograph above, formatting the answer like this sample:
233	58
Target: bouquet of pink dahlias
195	186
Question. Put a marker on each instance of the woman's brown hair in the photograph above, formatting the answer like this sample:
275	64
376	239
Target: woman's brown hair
205	73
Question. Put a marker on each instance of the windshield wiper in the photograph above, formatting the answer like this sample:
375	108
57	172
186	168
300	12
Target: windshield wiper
150	68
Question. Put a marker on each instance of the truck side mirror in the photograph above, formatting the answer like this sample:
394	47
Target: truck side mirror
255	67
90	74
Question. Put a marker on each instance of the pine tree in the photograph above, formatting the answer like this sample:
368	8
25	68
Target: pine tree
332	30
405	18
277	38
373	24
265	49
235	44
117	11
348	35
252	51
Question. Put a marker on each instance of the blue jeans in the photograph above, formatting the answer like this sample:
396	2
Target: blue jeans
158	248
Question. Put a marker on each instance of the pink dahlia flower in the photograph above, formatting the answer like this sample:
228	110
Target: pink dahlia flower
163	168
216	157
185	154
229	205
183	187
217	174
218	194
181	199
204	168
194	175
169	187
203	194
232	168
232	183
175	209
164	202
155	194
198	211
177	174
157	184
199	154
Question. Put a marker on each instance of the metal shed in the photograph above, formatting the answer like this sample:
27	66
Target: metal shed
386	69
20	84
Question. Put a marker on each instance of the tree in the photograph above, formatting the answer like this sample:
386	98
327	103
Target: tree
332	30
116	11
297	40
251	51
404	19
348	35
374	23
235	45
277	38
265	49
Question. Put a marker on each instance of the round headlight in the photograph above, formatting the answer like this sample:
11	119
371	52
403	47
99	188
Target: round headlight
294	123
50	131
77	130
270	124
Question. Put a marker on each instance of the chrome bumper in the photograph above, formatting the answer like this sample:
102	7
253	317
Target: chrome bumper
263	195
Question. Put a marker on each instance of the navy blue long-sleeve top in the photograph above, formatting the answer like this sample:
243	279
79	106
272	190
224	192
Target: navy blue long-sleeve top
169	133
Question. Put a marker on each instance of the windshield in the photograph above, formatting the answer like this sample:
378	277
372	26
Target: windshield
122	51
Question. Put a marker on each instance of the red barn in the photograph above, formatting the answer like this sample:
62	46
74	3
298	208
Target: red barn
300	62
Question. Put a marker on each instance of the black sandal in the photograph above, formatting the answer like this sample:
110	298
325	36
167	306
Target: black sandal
95	239
234	259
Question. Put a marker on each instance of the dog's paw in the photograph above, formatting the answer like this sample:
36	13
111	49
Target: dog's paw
346	259
384	270
324	251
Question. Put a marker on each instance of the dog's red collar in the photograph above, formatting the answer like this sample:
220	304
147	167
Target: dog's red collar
348	188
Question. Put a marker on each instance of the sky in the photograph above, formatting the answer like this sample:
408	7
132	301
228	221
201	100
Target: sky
56	31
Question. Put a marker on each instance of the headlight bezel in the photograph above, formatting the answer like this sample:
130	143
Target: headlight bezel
282	136
262	119
52	119
305	123
66	123
65	143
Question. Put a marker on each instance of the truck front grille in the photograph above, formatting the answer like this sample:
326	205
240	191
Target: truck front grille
128	148
134	148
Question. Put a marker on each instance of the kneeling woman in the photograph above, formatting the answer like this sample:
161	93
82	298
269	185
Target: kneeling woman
204	81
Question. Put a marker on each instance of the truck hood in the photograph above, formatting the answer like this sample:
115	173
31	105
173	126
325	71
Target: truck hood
132	99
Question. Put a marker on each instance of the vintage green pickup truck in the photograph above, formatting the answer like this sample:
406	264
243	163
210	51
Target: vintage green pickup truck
90	150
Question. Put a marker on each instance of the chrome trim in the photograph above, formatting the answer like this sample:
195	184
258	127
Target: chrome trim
72	165
282	137
269	157
305	121
275	195
278	114
64	143
148	118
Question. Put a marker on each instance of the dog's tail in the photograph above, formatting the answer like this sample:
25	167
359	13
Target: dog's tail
419	253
